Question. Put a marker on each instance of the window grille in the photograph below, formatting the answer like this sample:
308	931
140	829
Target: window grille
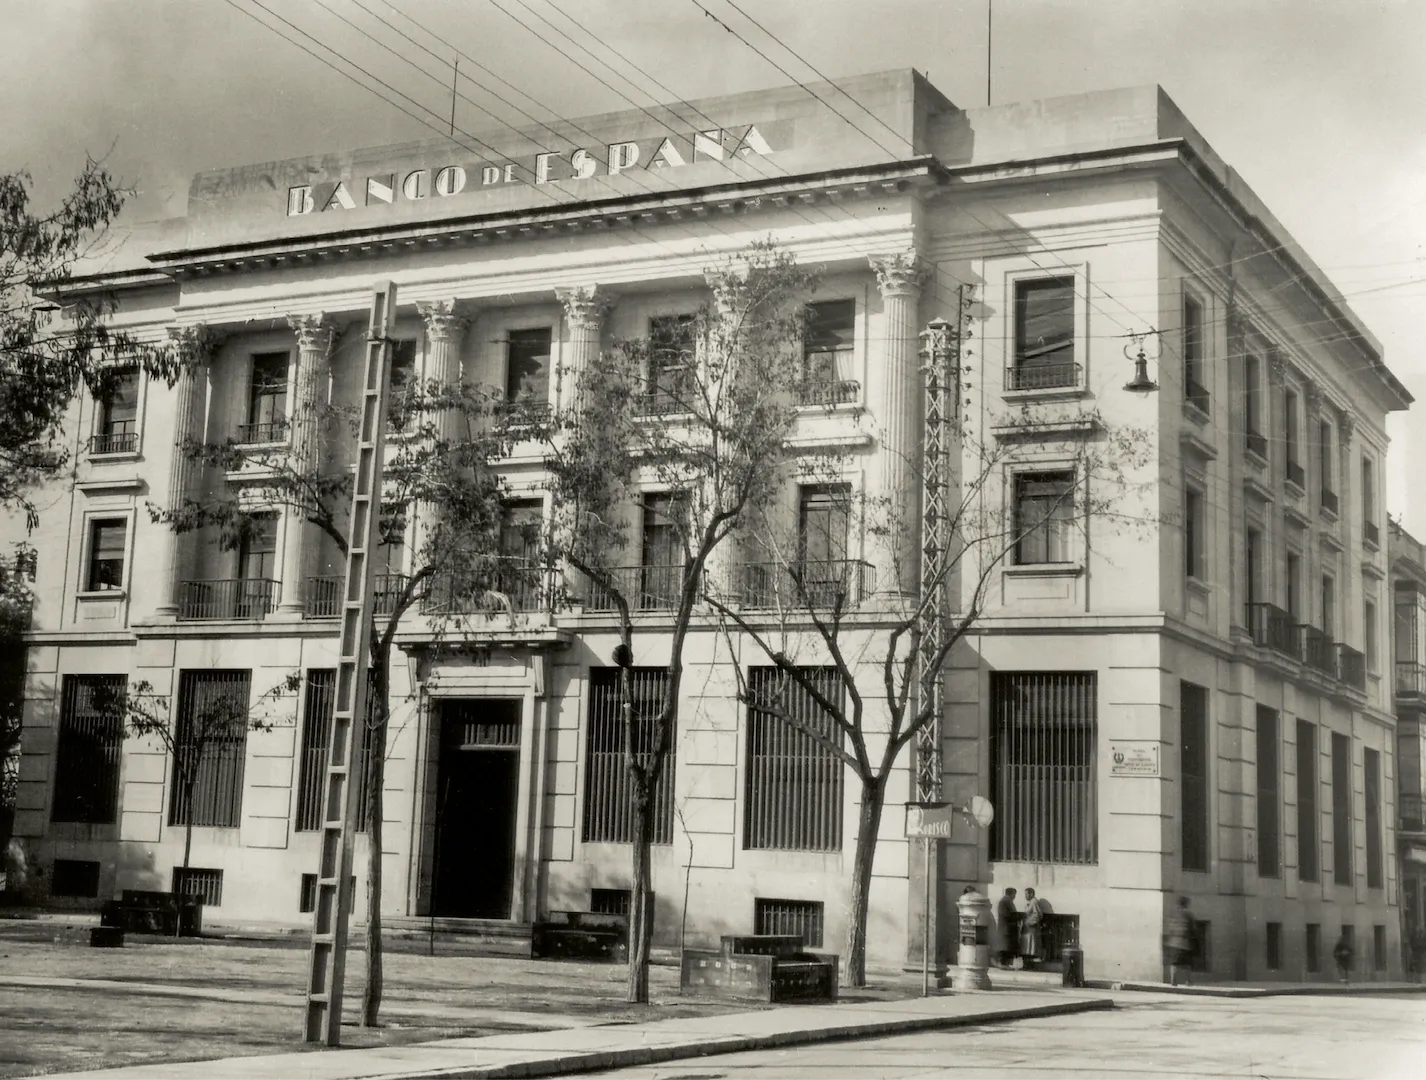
1341	809
1193	776
1269	795
1273	945
316	736
76	879
1308	866
91	738
610	901
793	786
211	742
196	881
1044	517
789	917
1044	778
608	791
1312	942
1371	769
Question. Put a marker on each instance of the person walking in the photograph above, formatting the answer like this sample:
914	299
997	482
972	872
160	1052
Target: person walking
1032	929
1178	940
1342	952
1008	920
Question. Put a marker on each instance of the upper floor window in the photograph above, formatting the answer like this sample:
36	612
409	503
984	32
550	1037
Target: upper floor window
403	385
1292	438
1194	390
661	552
117	415
1193	534
1253	405
1369	641
527	366
1044	517
257	550
1327	466
671	360
827	347
1292	598
1252	565
1370	533
107	537
1044	335
823	522
1329	605
267	399
520	523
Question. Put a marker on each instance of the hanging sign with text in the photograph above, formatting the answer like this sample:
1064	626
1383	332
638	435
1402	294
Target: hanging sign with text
929	821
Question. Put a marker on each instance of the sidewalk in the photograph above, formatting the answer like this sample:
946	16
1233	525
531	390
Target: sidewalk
1257	990
554	1053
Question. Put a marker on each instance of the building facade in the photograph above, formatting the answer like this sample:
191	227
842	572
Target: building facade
1173	690
1408	577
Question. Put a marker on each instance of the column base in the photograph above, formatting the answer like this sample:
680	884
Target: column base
287	613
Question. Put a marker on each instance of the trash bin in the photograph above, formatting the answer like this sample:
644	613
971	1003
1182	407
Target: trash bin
1072	965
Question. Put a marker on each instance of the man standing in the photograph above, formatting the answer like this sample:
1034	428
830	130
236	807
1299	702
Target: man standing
1009	920
1032	929
1178	940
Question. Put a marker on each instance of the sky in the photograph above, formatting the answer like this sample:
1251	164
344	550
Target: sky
1319	104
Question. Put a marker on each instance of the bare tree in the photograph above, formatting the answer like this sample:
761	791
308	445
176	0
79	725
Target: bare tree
690	425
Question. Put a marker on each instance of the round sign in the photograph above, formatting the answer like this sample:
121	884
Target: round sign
981	811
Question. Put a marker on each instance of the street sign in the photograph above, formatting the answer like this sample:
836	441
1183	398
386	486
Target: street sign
930	821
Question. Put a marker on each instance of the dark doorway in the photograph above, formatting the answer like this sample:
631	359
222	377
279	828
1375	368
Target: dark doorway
477	790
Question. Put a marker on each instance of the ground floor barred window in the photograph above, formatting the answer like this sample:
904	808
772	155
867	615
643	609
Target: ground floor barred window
608	806
793	782
1044	782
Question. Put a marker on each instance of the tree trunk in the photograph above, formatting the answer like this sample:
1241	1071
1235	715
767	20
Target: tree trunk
641	899
375	778
868	824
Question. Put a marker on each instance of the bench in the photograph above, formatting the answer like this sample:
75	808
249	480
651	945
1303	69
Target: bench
760	967
581	934
142	911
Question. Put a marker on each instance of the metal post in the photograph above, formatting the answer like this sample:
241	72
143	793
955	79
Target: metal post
926	843
334	897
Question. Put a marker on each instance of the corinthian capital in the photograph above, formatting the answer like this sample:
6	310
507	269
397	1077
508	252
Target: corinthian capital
194	345
583	308
443	322
898	274
314	333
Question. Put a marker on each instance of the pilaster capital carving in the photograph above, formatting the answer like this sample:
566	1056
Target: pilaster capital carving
899	273
314	333
730	288
1312	397
1277	365
1237	327
443	322
1346	424
583	307
194	345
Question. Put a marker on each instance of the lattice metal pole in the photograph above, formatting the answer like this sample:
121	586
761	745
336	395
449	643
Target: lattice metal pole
342	788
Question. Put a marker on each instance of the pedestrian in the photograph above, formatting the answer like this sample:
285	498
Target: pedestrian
1178	940
1032	929
1342	952
1009	921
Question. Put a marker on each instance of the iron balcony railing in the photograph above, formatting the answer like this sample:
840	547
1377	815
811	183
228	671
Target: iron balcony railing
1032	376
324	595
1410	678
487	587
1258	444
1371	534
1297	475
1329	501
1318	649
823	584
829	392
1410	810
646	588
227	598
1351	667
272	431
117	442
1273	628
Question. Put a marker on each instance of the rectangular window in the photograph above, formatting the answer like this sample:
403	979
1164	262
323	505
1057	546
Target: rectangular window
1370	532
1253	406
1193	388
1341	809
1312	947
391	548
1252	565
671	360
1327	465
1193	534
1043	756
1292	439
1044	517
608	803
75	879
802	917
107	538
823	529
1369	640
196	881
1379	947
519	575
527	366
257	567
404	385
1292	595
660	553
88	748
1269	795
211	742
1044	335
793	786
611	901
1308	866
307	894
1371	785
267	399
1329	605
117	415
1274	946
829	338
1193	775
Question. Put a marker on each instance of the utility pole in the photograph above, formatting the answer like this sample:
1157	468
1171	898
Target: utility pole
343	787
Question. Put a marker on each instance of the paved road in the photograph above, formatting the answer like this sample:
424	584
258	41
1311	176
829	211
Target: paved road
1148	1035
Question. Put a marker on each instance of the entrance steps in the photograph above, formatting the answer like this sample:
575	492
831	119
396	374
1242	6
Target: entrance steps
477	937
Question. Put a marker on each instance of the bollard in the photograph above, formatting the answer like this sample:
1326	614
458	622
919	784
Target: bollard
973	957
1072	966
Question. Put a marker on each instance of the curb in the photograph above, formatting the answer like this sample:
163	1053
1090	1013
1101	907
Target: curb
1286	990
733	1044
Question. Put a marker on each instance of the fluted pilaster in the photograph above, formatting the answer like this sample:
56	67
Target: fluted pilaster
584	311
314	343
194	346
445	333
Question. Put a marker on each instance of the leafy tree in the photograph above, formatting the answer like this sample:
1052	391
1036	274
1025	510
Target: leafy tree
698	412
48	353
440	465
16	604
